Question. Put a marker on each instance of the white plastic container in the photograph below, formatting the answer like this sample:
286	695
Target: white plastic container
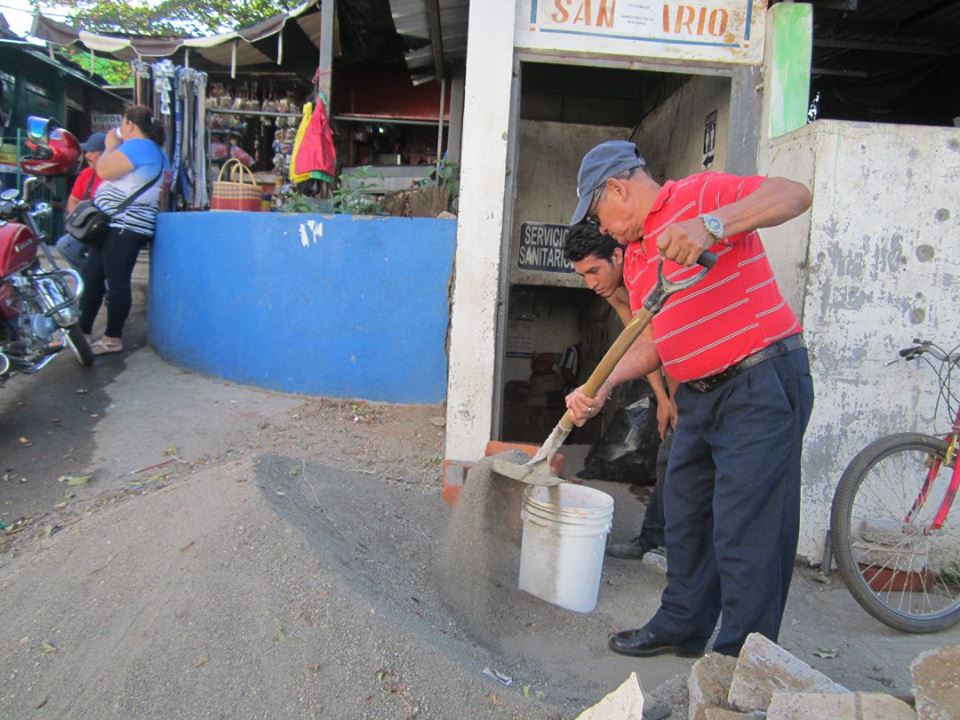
565	532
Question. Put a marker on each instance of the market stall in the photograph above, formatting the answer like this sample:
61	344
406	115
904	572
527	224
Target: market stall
261	297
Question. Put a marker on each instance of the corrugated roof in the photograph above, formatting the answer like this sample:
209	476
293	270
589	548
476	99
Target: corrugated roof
425	24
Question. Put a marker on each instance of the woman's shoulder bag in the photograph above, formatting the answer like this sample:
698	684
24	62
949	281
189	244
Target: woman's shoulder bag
89	224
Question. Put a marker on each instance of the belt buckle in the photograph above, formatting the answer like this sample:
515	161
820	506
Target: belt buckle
700	385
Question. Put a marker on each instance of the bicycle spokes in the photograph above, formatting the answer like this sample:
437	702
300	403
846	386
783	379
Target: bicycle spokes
896	543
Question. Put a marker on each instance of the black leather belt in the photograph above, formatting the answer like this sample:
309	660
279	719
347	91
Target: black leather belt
705	385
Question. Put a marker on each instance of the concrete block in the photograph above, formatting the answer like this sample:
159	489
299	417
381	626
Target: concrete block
709	684
764	667
936	683
846	706
624	703
454	476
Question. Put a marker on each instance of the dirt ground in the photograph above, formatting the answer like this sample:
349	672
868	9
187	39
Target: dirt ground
186	547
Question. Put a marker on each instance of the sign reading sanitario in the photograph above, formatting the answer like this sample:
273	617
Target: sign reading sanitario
541	248
710	30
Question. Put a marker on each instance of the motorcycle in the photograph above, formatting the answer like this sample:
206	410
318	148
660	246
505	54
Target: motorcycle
39	315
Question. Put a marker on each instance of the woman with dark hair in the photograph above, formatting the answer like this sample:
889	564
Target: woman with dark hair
133	164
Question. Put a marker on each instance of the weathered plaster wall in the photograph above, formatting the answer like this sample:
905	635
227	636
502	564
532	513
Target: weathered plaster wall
548	159
671	137
877	269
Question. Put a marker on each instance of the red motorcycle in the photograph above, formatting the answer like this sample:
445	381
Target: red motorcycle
39	316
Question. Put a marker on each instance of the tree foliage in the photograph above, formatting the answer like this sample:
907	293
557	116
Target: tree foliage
167	17
115	72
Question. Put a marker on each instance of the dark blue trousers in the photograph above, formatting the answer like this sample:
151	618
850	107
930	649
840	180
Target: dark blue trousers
732	504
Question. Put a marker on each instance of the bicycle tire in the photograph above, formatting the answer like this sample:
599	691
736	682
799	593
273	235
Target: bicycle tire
900	571
79	345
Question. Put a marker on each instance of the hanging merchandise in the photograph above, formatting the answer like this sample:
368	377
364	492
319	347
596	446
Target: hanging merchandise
317	154
189	163
177	97
164	73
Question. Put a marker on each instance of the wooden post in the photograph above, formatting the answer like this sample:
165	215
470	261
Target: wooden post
328	9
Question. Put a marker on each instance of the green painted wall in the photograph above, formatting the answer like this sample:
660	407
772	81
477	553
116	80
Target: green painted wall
788	66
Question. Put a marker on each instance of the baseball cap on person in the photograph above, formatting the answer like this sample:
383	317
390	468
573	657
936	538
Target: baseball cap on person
95	143
606	160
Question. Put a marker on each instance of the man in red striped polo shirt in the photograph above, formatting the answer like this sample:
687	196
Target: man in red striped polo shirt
732	496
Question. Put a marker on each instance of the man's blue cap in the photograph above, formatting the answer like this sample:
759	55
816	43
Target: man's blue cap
606	160
95	143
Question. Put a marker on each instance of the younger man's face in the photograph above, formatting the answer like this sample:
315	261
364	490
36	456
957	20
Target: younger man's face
601	276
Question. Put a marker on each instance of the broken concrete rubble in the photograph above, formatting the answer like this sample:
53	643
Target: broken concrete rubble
847	706
721	714
624	703
768	683
936	683
709	684
764	667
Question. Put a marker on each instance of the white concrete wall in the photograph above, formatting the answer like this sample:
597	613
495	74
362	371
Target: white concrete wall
870	267
473	322
671	137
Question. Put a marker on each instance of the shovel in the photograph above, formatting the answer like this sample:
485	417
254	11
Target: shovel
537	470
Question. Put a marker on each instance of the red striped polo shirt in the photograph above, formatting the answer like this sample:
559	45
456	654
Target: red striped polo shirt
736	310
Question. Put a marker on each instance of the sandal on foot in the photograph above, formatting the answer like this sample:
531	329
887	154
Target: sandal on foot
105	347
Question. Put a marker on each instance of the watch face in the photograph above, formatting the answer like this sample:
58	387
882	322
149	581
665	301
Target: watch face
713	226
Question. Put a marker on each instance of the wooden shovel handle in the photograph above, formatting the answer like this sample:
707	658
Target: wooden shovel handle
609	361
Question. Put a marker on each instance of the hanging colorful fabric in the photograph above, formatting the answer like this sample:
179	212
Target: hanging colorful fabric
297	141
317	156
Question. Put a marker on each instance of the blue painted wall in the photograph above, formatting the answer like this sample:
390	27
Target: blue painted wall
332	305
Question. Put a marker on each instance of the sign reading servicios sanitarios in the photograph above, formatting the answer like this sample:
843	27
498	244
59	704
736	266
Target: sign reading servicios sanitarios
710	30
541	248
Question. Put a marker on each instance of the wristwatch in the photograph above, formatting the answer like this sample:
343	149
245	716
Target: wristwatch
713	225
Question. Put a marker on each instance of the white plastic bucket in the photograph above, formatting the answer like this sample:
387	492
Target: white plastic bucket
565	532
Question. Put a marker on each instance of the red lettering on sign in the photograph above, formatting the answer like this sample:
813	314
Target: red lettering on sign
584	14
561	15
605	14
680	19
718	22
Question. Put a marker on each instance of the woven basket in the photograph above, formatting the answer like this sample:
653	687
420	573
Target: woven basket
235	193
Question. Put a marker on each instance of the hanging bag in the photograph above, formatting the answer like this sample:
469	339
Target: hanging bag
89	224
236	193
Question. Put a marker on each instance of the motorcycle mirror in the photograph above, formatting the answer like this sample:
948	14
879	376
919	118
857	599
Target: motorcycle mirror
9	195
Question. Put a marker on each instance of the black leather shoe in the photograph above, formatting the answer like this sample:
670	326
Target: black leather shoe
643	643
633	550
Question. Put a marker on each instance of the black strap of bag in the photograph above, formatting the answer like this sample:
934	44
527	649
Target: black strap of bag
126	203
88	223
93	176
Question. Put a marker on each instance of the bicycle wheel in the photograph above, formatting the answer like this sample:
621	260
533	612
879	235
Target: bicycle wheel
896	564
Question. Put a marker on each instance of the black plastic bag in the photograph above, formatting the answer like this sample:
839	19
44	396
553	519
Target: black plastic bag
627	450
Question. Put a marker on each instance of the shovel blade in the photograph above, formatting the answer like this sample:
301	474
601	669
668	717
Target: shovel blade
537	470
539	473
